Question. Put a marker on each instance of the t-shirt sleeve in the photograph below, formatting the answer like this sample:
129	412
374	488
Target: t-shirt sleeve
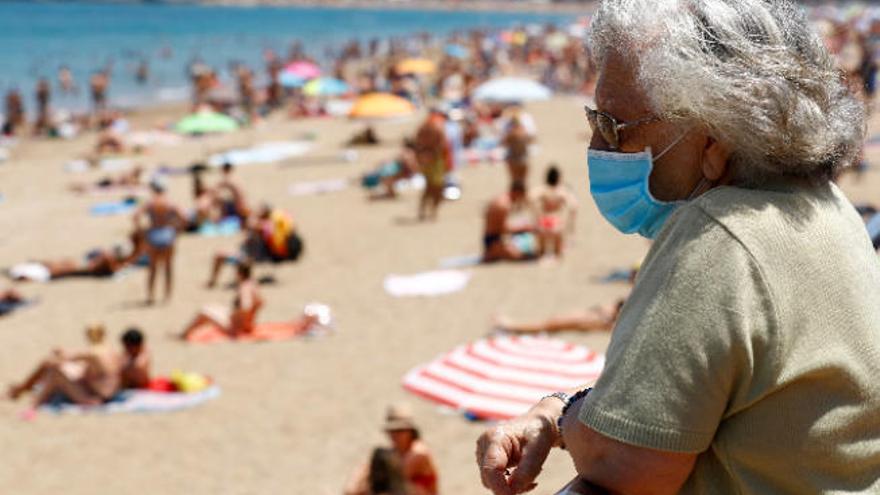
684	343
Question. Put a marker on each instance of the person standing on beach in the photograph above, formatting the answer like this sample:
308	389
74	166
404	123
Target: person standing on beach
434	157
14	113
43	95
516	143
98	84
745	359
65	80
165	220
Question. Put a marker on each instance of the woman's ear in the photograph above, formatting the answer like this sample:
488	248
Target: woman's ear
715	157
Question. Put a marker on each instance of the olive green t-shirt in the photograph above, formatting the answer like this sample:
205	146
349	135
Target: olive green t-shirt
752	337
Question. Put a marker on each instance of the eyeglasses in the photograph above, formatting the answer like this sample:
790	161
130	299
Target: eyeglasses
609	128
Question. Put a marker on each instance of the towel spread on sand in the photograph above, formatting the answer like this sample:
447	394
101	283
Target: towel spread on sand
462	261
32	271
434	283
140	401
109	208
270	152
7	307
264	332
308	188
224	228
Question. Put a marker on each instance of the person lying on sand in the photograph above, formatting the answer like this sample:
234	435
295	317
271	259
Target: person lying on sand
89	377
502	239
557	208
407	468
96	263
125	180
270	237
241	317
598	318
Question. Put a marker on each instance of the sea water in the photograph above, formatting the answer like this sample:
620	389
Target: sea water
37	38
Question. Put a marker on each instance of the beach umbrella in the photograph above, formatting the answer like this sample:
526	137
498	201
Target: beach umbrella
416	66
206	123
511	90
326	86
502	377
291	80
303	69
380	106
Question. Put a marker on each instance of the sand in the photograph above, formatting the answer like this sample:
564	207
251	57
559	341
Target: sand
294	417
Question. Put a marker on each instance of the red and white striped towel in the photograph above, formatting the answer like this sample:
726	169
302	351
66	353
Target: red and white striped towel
501	377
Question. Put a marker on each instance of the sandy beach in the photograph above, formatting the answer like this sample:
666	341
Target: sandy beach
293	417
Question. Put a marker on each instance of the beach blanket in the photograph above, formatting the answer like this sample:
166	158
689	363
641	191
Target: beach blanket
462	261
110	208
308	188
271	152
427	284
502	377
32	271
7	307
264	332
224	228
140	401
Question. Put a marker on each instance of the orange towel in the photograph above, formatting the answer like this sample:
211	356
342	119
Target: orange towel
264	332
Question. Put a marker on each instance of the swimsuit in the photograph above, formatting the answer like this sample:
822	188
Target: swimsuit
161	237
490	240
549	222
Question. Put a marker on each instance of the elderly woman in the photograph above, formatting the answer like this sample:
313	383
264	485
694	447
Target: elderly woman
747	357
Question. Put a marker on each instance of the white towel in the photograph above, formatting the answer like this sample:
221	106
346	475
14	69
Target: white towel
435	283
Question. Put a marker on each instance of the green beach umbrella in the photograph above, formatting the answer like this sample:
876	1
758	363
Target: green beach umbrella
206	123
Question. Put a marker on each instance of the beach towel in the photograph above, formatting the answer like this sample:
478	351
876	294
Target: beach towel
107	165
224	228
308	188
502	377
139	401
427	284
7	307
264	332
462	261
270	152
110	208
34	272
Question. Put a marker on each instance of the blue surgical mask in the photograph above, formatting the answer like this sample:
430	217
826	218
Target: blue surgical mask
619	184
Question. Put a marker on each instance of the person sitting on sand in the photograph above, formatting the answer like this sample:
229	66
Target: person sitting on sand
405	166
229	194
89	377
557	208
126	180
241	317
95	263
502	239
165	220
408	462
271	237
136	360
435	159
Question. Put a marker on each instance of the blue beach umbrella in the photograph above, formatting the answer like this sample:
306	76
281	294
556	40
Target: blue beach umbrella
511	90
291	80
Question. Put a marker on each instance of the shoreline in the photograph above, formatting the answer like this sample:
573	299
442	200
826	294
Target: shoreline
426	5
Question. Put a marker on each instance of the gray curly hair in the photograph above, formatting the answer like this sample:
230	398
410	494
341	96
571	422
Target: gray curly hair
752	72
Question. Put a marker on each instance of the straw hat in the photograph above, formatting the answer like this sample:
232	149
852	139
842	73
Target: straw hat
399	417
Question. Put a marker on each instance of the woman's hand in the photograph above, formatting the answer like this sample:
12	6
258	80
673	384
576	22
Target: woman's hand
511	455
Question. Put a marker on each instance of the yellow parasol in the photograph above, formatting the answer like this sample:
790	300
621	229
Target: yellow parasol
380	106
416	66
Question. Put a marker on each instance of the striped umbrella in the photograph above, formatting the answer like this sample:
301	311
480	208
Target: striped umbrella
502	377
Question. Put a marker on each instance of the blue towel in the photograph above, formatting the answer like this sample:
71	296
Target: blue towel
109	208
